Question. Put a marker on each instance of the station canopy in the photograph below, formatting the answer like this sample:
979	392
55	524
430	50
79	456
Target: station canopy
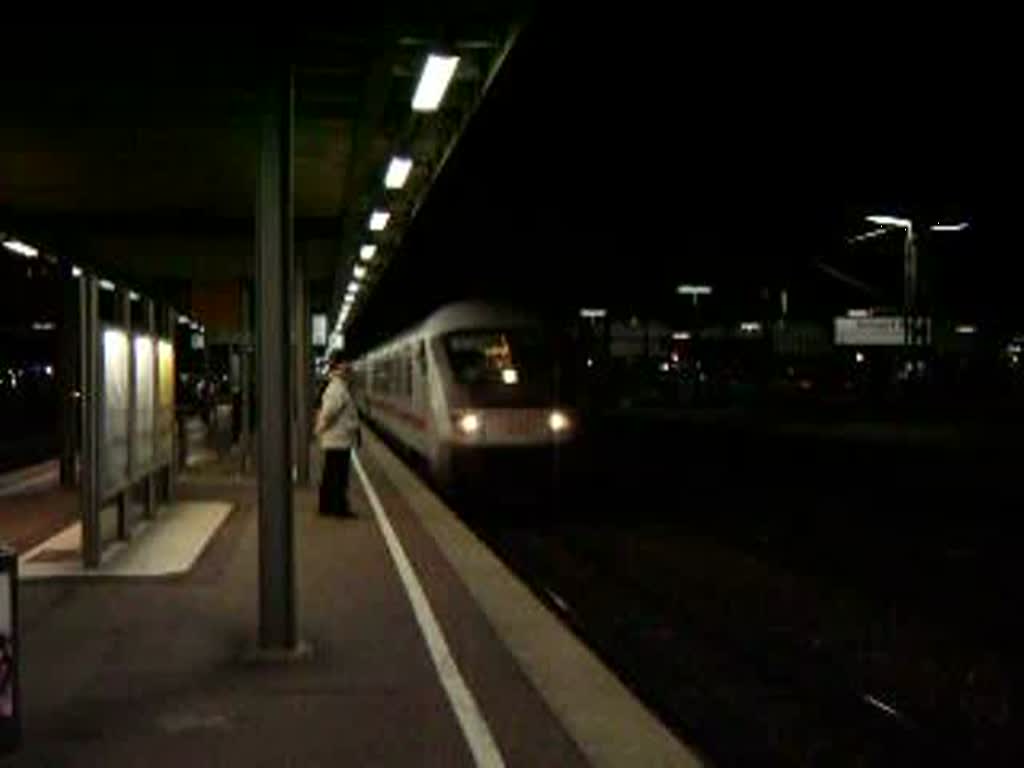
133	150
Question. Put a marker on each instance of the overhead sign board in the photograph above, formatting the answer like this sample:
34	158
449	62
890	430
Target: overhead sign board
874	331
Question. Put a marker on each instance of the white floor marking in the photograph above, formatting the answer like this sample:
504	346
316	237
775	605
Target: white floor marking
471	720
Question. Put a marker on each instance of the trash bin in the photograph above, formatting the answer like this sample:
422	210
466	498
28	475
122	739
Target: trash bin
10	704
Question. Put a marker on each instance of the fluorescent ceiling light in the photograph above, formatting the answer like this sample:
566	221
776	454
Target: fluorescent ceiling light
22	249
889	221
379	220
750	327
960	227
353	287
398	172
593	312
106	285
358	272
858	313
966	330
681	335
367	252
694	290
437	74
45	326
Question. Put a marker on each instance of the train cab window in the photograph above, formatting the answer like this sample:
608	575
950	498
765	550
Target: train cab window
515	366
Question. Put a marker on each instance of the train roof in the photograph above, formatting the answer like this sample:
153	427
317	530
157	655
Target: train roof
461	316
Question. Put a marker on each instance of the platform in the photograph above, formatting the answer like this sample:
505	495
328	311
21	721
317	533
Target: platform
158	672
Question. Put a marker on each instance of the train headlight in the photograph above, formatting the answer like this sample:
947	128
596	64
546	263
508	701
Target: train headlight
558	421
469	423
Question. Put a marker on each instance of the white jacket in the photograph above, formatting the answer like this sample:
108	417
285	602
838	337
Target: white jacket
337	422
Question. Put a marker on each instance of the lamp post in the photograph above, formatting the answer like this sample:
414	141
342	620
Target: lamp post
915	329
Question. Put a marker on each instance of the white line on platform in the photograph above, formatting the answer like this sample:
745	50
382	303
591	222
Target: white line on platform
879	704
471	720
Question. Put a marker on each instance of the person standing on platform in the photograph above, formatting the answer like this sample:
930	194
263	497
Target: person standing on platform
337	427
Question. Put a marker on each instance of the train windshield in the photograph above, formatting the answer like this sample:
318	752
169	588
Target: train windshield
507	367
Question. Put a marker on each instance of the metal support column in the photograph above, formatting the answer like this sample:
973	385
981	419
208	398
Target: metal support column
274	289
172	468
303	427
67	376
245	372
89	492
150	481
124	316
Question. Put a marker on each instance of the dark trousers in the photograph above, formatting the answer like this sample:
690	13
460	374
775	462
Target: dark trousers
334	483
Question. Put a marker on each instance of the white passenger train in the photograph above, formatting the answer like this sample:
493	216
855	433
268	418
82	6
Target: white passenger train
472	381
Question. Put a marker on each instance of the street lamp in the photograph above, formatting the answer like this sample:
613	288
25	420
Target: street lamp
910	268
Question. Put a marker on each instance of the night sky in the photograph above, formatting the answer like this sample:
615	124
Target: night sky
616	158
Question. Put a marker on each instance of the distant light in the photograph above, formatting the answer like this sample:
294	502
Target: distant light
469	423
890	221
750	327
593	313
510	376
107	285
133	296
860	313
44	326
367	252
859	357
966	330
379	220
358	272
49	370
437	74
590	362
675	357
694	290
353	287
558	421
681	335
22	249
398	172
959	227
183	320
76	272
664	367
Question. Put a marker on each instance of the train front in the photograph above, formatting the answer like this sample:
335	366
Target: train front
510	413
